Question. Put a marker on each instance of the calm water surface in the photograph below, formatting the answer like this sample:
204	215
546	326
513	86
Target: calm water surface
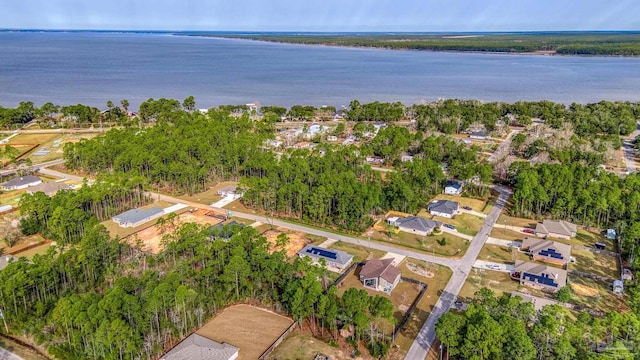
91	68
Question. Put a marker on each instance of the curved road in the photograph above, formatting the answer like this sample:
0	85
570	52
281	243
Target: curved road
460	266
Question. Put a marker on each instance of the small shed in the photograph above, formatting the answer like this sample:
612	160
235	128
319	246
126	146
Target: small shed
618	287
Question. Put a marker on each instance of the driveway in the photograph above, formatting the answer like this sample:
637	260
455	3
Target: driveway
490	265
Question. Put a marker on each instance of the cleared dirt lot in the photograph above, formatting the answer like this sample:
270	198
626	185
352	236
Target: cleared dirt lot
249	328
297	240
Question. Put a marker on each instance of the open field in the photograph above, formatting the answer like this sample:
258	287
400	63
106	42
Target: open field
151	236
588	238
455	246
499	282
11	197
514	221
435	285
208	197
476	204
598	264
33	138
359	252
604	299
297	240
499	254
249	328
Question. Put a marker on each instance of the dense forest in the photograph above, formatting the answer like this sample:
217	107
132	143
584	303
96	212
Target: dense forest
507	328
98	298
583	43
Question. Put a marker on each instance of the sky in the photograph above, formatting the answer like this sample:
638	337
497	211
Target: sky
322	15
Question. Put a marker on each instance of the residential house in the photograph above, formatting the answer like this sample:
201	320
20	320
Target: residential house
5	260
304	145
335	259
611	234
332	138
539	276
406	158
453	188
198	347
48	188
19	183
479	135
416	225
548	251
137	217
444	208
380	275
274	143
556	228
538	302
375	160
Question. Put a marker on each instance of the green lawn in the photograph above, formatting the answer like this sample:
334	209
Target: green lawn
454	246
514	221
499	282
359	252
505	234
476	204
499	254
465	223
598	264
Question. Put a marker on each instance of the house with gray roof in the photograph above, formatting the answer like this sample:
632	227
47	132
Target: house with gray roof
137	217
21	182
556	228
453	188
198	347
479	135
444	208
380	275
48	188
539	276
548	251
416	225
335	259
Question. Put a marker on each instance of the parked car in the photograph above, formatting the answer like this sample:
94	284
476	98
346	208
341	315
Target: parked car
449	226
528	231
467	208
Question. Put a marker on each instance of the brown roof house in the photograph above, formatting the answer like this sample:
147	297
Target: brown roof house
546	250
198	347
380	275
48	188
556	228
539	276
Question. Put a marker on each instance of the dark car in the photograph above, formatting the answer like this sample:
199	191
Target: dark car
467	208
448	226
528	231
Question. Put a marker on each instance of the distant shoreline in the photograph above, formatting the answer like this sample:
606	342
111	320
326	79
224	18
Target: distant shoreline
578	44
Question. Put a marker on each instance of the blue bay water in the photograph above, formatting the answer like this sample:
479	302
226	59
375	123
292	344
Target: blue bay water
91	68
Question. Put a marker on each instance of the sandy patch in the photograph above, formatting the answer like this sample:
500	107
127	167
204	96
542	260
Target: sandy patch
297	240
584	290
418	270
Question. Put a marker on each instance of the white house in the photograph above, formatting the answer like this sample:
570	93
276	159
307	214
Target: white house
453	188
137	217
22	182
444	208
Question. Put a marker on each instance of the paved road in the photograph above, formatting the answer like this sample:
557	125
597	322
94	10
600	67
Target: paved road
460	267
7	355
629	152
34	166
427	334
50	172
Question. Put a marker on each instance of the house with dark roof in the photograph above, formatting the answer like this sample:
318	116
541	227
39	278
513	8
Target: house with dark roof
48	188
548	251
198	347
19	183
453	188
380	275
137	217
556	228
479	135
335	259
444	208
416	225
539	276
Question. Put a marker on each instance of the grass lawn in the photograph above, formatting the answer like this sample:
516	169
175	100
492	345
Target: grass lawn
40	250
465	223
604	300
299	345
207	197
264	227
499	254
241	220
33	138
499	282
11	197
598	264
514	221
435	286
455	246
359	252
476	204
588	238
316	240
505	234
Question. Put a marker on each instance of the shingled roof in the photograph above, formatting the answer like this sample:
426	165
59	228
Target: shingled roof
444	206
198	347
417	223
557	227
536	245
380	268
